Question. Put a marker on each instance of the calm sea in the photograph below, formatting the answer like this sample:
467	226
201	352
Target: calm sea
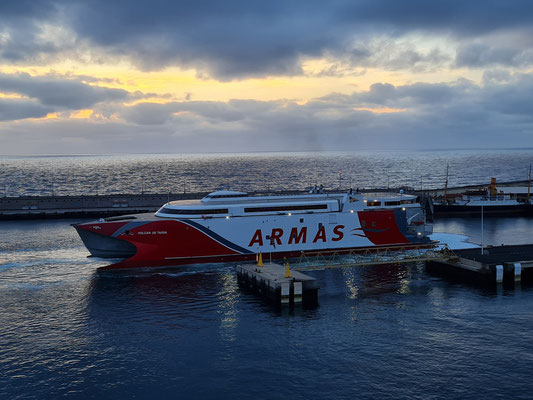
258	171
388	332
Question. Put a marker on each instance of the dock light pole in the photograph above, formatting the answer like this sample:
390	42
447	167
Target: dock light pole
482	229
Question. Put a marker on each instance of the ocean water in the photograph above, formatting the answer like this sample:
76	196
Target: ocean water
388	332
75	175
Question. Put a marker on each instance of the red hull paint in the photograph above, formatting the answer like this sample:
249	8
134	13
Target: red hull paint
137	263
174	242
380	227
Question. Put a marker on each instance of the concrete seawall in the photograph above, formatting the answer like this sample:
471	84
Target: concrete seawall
37	207
34	207
90	206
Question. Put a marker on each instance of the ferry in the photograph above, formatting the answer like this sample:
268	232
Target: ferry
228	226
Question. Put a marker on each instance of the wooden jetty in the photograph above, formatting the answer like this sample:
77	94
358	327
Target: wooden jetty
278	283
499	264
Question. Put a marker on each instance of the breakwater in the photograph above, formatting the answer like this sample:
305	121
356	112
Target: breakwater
34	207
37	207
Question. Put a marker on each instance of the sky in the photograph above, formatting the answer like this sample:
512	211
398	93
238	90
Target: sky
106	77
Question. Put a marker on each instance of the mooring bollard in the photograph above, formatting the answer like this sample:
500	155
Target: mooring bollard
499	273
287	270
297	292
517	272
285	292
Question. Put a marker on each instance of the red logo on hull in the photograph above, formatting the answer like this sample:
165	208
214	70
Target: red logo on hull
296	236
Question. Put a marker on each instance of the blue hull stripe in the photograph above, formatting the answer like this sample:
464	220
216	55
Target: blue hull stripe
216	237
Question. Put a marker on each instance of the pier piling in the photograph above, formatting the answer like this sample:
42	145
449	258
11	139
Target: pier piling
271	282
499	273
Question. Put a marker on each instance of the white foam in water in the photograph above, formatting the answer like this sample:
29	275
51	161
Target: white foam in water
453	241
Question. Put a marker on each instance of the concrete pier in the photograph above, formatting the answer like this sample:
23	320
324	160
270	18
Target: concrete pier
271	281
498	264
89	206
36	207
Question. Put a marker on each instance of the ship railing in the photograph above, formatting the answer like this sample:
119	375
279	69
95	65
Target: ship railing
320	260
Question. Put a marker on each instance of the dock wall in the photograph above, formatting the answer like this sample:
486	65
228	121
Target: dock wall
36	207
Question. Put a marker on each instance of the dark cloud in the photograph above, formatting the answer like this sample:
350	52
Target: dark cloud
460	113
234	39
14	109
26	9
62	94
483	55
470	18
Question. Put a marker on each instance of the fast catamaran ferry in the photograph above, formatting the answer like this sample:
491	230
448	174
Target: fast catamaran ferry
228	226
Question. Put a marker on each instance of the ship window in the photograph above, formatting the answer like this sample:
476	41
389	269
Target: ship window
287	208
124	218
373	203
392	203
373	224
226	196
168	210
363	224
407	201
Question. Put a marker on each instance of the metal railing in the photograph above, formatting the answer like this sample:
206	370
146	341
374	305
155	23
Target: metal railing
356	258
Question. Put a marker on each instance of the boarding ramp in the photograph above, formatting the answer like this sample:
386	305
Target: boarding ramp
321	260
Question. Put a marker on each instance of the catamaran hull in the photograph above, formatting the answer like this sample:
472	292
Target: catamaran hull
143	242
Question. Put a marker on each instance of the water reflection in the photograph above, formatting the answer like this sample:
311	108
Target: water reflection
228	295
497	230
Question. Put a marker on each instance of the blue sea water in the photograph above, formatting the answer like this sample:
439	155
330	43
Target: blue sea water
391	332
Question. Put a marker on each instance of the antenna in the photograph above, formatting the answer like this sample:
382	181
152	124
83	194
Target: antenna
446	184
529	184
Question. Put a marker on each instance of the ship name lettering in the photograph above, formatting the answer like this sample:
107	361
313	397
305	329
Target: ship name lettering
296	236
338	232
320	235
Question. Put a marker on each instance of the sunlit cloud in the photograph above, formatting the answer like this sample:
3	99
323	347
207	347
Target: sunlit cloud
235	76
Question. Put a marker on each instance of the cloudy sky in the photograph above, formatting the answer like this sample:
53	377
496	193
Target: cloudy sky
91	77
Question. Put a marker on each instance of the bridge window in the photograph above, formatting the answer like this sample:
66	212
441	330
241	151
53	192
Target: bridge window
392	203
373	203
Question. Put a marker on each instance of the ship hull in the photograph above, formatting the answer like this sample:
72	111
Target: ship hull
319	255
147	242
452	210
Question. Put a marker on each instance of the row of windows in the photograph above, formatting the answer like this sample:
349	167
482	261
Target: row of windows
287	208
168	210
225	196
388	203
